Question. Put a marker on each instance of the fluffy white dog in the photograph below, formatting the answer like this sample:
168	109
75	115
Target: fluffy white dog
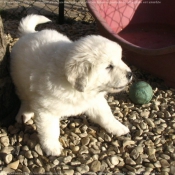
56	77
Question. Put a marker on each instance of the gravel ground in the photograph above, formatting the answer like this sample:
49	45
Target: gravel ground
149	148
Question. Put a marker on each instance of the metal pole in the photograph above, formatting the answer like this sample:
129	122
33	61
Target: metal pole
61	12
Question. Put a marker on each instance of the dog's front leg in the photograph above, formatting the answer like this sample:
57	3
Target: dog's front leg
49	131
100	113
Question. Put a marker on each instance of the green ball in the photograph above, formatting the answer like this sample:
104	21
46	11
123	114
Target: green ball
140	92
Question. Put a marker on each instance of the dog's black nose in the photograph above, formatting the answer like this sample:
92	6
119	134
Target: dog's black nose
129	75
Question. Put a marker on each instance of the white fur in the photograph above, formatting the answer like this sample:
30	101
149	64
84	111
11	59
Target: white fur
56	77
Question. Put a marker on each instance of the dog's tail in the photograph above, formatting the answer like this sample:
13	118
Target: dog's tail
28	24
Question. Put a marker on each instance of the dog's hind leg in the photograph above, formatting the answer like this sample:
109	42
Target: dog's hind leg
49	132
24	113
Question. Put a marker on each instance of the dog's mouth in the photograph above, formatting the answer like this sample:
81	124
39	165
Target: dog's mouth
115	89
118	89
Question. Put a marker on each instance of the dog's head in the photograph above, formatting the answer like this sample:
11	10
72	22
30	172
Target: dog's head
94	63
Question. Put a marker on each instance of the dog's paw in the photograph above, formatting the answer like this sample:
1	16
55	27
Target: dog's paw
23	118
118	130
52	148
122	130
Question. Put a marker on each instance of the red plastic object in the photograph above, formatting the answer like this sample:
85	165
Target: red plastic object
144	28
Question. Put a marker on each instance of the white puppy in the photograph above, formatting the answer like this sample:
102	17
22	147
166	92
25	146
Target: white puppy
56	77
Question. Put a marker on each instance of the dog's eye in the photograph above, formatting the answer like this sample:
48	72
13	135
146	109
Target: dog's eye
110	67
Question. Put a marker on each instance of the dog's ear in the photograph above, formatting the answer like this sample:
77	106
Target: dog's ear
78	74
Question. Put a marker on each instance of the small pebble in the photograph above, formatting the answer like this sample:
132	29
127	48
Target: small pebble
56	162
95	166
128	142
129	161
39	170
139	160
25	148
130	168
4	140
84	150
68	172
8	158
75	163
83	168
151	151
150	122
28	155
157	164
85	140
25	169
14	165
38	149
7	171
7	150
172	167
38	162
164	163
134	154
75	149
114	160
67	159
107	138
